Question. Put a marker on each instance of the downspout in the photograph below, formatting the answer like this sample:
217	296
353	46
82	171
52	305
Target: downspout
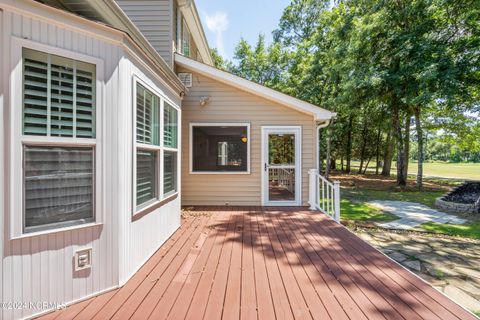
320	125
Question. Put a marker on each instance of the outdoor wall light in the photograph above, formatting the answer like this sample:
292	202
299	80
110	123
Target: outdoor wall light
204	100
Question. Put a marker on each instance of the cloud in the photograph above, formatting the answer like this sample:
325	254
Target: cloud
218	24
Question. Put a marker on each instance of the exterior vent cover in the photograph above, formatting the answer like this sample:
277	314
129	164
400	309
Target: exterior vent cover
83	259
186	79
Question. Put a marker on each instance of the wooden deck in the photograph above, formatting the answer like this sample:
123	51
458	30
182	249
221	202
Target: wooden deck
267	263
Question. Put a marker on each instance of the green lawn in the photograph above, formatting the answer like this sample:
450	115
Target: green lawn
355	211
470	230
470	171
354	208
365	195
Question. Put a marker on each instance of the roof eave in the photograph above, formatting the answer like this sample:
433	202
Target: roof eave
318	113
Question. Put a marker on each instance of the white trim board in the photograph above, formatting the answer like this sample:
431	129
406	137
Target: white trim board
318	113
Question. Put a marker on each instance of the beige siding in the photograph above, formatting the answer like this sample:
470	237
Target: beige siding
228	104
154	18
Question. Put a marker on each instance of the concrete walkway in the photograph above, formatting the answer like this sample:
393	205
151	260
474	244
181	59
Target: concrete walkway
412	214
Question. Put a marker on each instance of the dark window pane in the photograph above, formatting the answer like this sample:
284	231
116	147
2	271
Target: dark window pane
220	148
170	172
58	187
146	176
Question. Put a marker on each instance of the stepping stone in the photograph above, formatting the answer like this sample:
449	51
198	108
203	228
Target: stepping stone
413	264
397	256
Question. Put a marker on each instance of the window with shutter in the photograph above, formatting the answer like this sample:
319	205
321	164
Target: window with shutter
170	131
146	176
148	146
58	96
170	172
58	170
156	143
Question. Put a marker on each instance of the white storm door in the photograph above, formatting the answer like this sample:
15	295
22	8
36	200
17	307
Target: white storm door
281	166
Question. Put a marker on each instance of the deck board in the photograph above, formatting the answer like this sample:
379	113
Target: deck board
267	263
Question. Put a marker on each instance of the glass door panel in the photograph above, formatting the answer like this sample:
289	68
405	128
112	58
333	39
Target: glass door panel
281	167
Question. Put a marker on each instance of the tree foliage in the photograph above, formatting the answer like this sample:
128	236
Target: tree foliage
394	71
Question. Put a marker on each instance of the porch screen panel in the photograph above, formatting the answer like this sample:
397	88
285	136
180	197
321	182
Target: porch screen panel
58	96
58	186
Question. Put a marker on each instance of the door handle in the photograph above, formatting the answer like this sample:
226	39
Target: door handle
265	167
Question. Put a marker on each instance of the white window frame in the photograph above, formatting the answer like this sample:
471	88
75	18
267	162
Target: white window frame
217	124
160	149
17	140
186	32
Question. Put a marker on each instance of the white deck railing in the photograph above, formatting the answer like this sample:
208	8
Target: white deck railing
324	195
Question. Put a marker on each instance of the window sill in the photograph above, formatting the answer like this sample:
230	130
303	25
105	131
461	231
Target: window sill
51	231
152	207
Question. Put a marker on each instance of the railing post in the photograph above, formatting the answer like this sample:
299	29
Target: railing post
312	189
336	195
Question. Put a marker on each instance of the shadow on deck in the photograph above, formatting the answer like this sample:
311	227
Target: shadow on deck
266	263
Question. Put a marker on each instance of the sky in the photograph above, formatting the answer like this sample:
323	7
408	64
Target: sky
227	21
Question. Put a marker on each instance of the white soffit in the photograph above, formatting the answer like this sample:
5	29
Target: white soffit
318	113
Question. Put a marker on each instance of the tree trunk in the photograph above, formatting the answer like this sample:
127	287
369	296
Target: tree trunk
341	162
333	164
420	156
364	144
366	166
377	152
349	144
388	155
401	181
408	120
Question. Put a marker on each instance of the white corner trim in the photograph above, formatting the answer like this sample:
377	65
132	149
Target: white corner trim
318	113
